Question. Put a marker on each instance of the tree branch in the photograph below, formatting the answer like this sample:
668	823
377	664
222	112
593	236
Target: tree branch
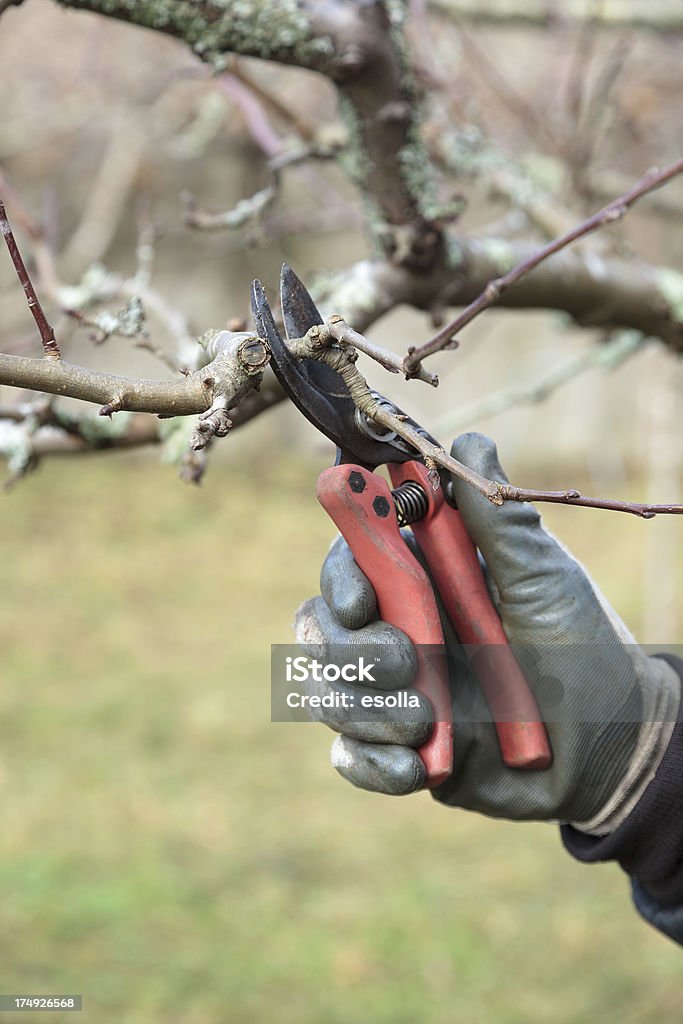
341	332
253	208
319	343
31	431
595	291
494	289
510	493
47	334
592	289
236	369
657	16
286	31
360	47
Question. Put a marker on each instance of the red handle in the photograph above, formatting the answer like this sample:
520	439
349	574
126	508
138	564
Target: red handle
454	564
360	504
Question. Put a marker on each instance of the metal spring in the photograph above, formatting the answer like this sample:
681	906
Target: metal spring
411	502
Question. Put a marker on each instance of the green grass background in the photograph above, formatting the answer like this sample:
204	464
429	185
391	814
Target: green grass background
173	855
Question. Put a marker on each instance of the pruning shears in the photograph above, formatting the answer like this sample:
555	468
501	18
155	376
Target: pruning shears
369	515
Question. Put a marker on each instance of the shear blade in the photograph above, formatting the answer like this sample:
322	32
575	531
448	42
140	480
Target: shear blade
304	380
317	390
299	311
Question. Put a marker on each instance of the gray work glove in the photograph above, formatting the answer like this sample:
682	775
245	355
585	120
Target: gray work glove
609	708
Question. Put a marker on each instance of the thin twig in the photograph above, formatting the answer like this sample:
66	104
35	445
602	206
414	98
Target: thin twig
342	332
244	212
96	288
20	214
494	289
317	344
43	255
255	206
47	334
248	93
510	493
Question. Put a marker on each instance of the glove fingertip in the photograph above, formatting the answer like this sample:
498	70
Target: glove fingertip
346	589
307	629
380	768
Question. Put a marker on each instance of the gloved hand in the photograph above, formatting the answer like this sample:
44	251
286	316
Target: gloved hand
609	708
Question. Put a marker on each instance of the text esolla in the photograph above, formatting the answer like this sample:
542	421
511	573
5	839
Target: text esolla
304	670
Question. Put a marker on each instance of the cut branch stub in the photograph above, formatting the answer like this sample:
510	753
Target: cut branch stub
235	367
249	355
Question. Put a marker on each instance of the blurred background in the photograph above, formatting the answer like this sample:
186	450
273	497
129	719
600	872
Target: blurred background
165	849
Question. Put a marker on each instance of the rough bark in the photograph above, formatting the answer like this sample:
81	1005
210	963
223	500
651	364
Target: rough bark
592	289
235	369
358	44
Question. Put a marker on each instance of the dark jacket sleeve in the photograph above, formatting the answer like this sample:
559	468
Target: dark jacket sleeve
649	844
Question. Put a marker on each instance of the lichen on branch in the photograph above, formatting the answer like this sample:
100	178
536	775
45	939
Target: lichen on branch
272	29
236	368
361	47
